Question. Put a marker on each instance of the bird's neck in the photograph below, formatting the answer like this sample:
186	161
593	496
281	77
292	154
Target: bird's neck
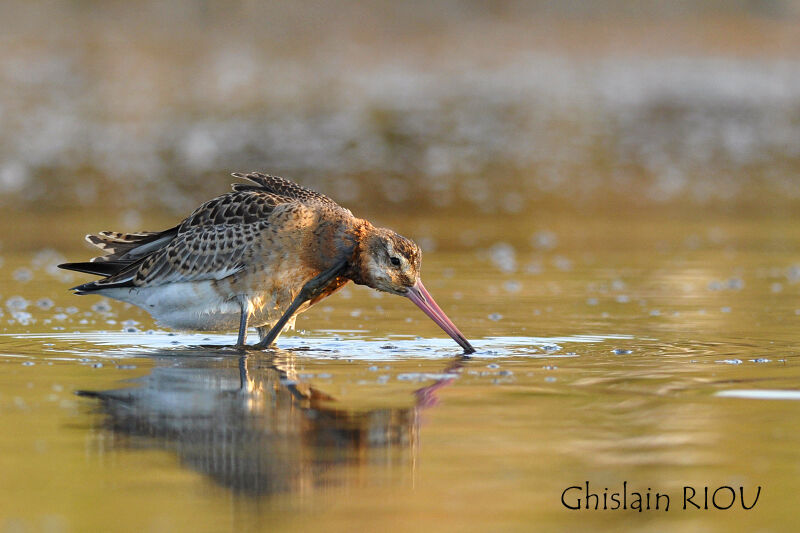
363	233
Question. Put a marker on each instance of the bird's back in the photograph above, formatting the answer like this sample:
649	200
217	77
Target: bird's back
217	239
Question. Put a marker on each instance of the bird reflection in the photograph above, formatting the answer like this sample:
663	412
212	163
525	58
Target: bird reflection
252	425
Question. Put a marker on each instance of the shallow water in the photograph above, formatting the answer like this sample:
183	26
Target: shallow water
655	348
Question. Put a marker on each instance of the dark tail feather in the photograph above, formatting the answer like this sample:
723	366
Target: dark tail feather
92	286
104	268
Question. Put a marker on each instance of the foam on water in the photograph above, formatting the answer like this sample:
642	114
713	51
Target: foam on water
352	345
760	394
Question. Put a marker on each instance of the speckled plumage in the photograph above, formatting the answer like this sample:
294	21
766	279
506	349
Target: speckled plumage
256	256
254	246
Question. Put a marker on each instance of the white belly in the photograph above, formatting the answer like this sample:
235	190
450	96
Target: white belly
194	306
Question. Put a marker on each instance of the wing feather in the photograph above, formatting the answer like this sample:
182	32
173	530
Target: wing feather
243	207
200	253
129	246
281	187
213	242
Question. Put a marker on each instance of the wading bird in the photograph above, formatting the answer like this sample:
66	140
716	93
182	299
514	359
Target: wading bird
256	256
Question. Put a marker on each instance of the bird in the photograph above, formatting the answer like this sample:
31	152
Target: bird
256	256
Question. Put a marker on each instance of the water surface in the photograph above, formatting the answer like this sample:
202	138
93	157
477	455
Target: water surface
653	348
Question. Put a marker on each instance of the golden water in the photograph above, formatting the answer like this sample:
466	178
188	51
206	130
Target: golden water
611	347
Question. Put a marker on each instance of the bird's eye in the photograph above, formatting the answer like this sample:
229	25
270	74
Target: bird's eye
395	261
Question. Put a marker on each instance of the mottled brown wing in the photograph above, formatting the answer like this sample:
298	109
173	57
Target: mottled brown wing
249	203
281	187
129	247
238	207
200	253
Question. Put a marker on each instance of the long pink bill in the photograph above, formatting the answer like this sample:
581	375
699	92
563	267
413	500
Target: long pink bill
423	299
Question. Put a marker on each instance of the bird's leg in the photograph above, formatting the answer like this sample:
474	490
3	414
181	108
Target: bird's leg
310	290
262	332
243	323
244	376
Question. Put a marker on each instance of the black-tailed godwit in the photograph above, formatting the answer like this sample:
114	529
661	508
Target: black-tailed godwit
256	256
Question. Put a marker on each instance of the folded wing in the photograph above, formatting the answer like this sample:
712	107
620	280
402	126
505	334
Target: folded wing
200	253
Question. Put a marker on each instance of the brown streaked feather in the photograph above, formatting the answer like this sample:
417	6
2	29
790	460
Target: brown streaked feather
243	207
282	187
202	253
218	238
128	246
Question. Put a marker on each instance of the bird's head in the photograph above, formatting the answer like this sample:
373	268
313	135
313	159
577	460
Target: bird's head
391	263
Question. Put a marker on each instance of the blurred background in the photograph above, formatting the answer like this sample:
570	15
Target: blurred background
490	107
607	195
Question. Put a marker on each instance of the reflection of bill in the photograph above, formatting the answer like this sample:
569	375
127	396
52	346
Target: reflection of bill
251	425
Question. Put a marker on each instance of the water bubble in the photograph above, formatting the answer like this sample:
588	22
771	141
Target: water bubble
492	365
623	299
44	303
22	275
103	306
22	317
731	361
49	259
503	256
495	317
17	303
760	360
512	286
621	351
28	363
725	309
544	240
735	284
